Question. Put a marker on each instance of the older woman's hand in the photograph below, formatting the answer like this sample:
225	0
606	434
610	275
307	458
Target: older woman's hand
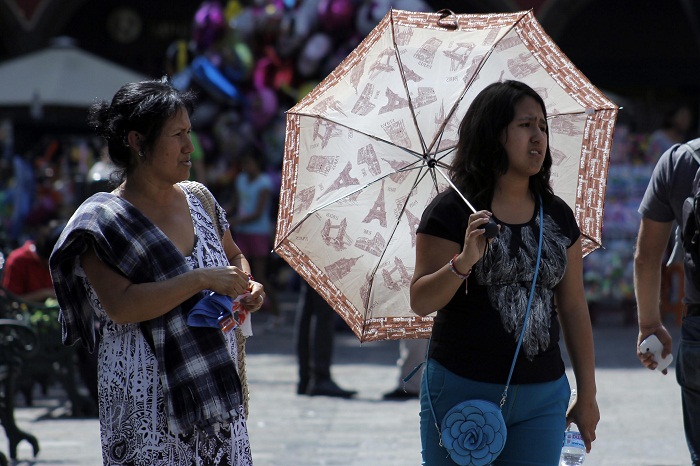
229	280
256	298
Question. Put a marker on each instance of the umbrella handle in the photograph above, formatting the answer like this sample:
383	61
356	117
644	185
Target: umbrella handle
444	14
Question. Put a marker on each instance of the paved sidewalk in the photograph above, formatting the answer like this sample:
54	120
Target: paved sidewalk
641	416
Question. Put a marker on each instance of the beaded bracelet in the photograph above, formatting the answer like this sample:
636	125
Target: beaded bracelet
454	270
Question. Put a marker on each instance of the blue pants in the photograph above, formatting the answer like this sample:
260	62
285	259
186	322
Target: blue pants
535	415
688	376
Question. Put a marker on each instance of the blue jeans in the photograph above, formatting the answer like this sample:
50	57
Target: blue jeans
535	415
688	376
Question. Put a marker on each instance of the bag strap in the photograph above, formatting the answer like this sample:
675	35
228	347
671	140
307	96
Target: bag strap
529	305
207	200
522	332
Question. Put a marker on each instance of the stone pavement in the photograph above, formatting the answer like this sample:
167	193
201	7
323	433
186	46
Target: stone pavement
641	416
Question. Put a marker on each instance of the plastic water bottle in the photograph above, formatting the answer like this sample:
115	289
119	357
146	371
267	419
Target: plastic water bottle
573	452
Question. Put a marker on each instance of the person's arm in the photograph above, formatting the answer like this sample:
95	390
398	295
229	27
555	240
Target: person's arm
433	284
39	296
648	258
575	320
127	302
259	211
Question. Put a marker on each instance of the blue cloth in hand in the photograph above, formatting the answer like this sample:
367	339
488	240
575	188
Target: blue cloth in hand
208	309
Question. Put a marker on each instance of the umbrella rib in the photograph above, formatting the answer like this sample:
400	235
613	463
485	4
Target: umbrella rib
416	182
349	128
405	85
468	84
452	185
409	167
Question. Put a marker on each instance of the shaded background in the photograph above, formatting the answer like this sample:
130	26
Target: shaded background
643	54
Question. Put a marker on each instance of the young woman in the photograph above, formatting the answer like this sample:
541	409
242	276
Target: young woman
137	259
502	165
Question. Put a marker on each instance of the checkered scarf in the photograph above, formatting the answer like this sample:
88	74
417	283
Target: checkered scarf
200	382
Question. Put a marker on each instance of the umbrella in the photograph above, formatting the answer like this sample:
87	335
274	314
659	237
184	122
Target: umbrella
61	75
367	150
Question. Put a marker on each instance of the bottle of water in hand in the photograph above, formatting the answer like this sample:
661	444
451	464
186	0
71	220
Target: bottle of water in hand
573	452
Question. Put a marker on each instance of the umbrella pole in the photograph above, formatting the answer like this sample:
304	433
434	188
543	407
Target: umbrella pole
492	227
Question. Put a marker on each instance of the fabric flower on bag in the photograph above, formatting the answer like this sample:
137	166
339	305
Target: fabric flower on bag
474	433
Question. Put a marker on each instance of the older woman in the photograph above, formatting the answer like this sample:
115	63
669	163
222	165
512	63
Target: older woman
137	259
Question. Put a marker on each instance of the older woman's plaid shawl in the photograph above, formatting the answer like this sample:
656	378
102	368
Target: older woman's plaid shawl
199	377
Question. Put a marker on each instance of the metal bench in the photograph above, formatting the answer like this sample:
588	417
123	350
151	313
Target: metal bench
18	342
53	362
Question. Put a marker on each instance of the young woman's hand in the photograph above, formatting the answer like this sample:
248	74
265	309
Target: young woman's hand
586	415
474	241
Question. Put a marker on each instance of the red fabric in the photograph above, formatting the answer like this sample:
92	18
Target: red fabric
25	272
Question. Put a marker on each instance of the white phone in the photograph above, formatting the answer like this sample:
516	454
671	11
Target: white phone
651	344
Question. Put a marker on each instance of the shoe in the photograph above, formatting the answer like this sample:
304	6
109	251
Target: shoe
329	388
302	388
399	394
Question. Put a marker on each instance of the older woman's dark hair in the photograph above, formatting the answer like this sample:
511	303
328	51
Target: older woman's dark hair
481	158
143	107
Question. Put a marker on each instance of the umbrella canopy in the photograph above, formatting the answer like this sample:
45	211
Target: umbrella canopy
62	75
368	149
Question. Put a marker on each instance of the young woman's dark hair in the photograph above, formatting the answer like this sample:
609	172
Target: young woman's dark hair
142	106
481	158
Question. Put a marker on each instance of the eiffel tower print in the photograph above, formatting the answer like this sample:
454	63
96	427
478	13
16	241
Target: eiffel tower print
396	165
450	128
412	222
329	103
411	75
382	64
344	179
325	130
395	102
378	210
458	55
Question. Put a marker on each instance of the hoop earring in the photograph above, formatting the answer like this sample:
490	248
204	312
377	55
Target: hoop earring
141	154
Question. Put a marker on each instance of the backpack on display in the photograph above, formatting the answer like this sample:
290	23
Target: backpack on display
691	221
